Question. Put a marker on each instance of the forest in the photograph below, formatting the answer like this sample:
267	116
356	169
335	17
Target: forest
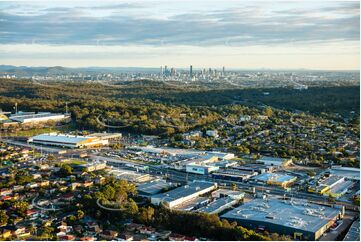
155	108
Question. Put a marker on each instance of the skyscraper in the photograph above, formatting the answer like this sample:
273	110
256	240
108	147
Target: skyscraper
191	71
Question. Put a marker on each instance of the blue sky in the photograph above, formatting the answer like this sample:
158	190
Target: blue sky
236	34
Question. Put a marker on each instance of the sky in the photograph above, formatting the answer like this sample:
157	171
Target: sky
319	34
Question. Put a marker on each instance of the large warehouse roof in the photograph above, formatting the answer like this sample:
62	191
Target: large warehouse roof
58	138
297	214
154	187
272	160
27	116
184	191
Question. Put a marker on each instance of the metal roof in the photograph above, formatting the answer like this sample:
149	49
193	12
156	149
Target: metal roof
184	191
276	177
59	138
297	214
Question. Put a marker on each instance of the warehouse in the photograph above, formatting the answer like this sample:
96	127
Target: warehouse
183	194
296	218
340	189
108	136
154	187
274	161
192	204
354	232
131	176
218	205
347	172
93	166
32	117
259	168
236	195
234	175
69	141
275	179
328	184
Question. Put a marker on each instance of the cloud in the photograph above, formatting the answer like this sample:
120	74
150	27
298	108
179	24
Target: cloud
126	23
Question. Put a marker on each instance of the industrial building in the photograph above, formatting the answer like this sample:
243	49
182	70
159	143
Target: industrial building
187	153
183	194
218	205
32	117
130	176
274	161
330	185
354	232
192	204
296	218
68	141
154	187
108	136
93	166
276	179
220	155
208	163
254	167
236	195
234	175
202	169
347	172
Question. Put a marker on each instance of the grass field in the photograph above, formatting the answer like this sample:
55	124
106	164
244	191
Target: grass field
73	162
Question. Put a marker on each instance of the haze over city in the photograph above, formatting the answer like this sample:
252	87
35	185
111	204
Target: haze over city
235	34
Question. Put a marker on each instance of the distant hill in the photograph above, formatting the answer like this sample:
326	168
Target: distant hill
59	70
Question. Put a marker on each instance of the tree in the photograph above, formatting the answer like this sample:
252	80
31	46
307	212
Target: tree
65	170
146	215
72	219
80	214
108	192
3	217
21	207
268	111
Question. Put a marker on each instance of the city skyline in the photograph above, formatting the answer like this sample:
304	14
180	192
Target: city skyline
238	35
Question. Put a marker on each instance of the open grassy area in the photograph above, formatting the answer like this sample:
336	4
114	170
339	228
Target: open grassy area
73	162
